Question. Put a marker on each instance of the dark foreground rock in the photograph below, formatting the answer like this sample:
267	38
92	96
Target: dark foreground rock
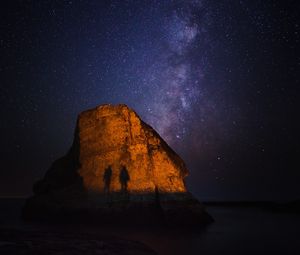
118	170
34	242
180	210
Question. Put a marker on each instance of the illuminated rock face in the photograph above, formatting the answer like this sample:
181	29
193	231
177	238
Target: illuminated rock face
118	170
115	137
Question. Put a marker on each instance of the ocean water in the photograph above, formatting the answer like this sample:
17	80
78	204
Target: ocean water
236	230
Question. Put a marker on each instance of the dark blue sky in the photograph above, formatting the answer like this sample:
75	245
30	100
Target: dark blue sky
217	79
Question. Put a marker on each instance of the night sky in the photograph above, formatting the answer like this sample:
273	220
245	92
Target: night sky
218	80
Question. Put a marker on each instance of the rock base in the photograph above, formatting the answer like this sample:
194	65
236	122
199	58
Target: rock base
180	210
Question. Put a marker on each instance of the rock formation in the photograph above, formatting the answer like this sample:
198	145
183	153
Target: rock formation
118	168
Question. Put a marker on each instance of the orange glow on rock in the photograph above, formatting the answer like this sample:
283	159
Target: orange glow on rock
113	136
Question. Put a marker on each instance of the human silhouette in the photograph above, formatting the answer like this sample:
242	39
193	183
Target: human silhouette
124	178
107	178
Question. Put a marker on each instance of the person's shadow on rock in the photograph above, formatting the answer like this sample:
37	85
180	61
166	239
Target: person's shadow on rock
124	178
107	179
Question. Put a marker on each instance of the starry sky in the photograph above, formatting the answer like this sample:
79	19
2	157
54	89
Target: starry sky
218	80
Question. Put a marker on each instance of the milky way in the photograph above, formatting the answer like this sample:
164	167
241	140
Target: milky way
175	91
173	80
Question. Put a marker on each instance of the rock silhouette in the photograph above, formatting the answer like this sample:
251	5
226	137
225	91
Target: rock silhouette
115	152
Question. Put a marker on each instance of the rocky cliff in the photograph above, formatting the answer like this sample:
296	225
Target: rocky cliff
117	167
